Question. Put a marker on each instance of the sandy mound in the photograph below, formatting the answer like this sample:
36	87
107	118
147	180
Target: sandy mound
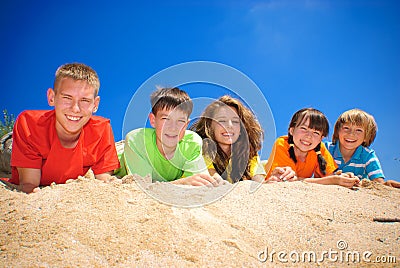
88	223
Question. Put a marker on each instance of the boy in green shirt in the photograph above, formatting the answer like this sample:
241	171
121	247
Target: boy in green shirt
167	152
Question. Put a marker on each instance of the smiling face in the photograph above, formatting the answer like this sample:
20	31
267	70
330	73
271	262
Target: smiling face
350	137
226	126
305	139
170	126
74	104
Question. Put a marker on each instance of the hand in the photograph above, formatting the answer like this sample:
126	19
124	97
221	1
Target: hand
200	179
282	174
392	183
345	180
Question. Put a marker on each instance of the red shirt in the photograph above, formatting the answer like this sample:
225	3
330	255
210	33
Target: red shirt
36	145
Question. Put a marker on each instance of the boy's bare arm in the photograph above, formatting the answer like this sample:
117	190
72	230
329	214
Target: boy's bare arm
390	183
29	179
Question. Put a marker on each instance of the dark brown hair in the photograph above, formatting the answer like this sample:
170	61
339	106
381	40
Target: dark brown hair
317	121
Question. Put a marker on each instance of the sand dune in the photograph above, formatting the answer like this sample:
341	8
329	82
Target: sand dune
88	223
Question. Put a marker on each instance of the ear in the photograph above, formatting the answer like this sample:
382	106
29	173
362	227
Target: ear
96	104
152	119
50	96
291	131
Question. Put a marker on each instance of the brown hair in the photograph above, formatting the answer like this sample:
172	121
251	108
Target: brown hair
171	98
359	118
244	149
77	71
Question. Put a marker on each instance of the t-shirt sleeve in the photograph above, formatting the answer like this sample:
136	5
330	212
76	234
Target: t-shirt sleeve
196	164
279	157
135	156
256	168
107	159
373	167
24	152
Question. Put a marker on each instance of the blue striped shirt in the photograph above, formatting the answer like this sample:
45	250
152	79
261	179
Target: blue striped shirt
364	163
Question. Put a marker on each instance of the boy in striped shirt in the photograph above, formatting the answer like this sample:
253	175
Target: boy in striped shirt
354	132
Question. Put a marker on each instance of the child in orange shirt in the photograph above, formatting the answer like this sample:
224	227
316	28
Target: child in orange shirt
303	151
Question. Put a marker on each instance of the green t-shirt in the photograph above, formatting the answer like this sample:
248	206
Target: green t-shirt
142	157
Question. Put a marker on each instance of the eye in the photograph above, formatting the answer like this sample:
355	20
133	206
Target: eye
317	133
236	122
359	130
221	121
85	100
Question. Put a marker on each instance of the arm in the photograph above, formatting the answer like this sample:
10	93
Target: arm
390	183
105	177
341	179
282	174
29	179
200	179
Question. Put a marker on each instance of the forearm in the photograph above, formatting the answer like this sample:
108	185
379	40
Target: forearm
29	179
105	177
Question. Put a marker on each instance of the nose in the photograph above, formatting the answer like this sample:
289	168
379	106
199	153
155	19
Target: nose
75	107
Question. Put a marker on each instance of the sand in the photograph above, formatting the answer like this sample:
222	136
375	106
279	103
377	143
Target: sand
88	223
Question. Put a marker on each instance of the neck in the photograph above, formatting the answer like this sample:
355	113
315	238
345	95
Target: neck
68	141
346	154
300	155
167	152
226	148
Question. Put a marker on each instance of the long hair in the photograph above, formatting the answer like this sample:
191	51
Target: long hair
244	149
317	121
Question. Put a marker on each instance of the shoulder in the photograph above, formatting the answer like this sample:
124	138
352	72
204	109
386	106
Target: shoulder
36	116
140	133
366	152
192	137
282	142
30	120
98	122
97	126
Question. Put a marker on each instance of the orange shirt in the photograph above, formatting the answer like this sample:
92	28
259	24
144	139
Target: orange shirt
306	169
36	145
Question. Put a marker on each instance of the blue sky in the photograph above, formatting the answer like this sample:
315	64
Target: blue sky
331	55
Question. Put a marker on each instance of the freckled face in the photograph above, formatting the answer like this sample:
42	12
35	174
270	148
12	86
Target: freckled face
74	104
226	125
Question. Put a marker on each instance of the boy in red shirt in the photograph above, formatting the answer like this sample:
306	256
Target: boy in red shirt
63	143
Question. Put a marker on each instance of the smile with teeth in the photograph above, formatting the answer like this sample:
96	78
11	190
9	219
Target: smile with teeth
305	143
171	136
348	140
73	118
227	134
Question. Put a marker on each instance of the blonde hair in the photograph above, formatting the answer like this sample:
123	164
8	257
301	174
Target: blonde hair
78	71
359	118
